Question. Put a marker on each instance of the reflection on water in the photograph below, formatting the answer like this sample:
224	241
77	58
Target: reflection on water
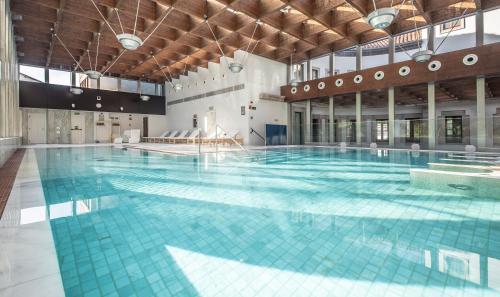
264	224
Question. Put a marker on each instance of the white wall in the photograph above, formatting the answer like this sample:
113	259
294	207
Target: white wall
260	75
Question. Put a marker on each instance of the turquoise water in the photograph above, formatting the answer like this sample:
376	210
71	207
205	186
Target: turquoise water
296	222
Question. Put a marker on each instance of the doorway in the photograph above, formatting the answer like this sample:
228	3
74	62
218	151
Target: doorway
77	128
37	128
298	129
145	127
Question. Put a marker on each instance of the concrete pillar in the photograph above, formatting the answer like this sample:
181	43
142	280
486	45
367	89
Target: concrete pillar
308	70
359	61
289	124
391	49
358	118
288	73
331	115
391	113
479	28
324	136
430	40
431	110
481	112
307	133
73	79
332	64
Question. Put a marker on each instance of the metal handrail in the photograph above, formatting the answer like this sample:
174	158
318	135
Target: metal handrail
234	140
260	136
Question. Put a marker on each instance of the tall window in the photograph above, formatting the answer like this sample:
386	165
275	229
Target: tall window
345	60
148	88
406	44
33	74
351	131
375	53
82	80
128	86
491	27
58	77
382	130
414	129
453	129
320	67
455	35
109	83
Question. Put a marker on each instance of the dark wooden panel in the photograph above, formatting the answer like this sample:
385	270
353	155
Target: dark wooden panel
452	68
39	95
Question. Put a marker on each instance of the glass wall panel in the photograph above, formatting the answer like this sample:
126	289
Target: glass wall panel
320	121
408	43
128	86
298	122
148	88
320	67
375	53
58	77
491	26
299	71
33	74
455	35
109	83
82	80
345	61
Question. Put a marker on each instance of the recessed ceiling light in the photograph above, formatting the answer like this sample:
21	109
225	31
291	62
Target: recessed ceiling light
232	10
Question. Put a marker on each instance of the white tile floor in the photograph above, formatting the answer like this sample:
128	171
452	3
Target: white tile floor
28	261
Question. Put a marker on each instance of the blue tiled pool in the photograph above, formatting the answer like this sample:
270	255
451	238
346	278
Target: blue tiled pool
284	222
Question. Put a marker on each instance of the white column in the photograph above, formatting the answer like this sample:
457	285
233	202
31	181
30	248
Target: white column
307	134
391	113
331	115
431	117
481	112
479	28
358	118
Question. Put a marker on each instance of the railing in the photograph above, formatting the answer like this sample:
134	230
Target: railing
252	131
234	140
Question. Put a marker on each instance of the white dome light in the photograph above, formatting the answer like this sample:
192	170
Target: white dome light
145	97
178	87
294	82
98	105
381	18
422	56
76	91
129	41
235	67
93	74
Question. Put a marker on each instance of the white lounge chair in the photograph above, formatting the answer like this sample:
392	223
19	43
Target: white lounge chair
178	137
155	138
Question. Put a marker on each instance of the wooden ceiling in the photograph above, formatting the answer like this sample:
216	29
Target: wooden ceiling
183	41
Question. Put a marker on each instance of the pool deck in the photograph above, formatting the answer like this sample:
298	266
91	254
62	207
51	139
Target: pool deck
28	260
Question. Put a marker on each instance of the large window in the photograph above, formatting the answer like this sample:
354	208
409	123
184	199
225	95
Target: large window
345	61
408	43
128	86
491	26
29	73
82	80
109	83
455	35
375	53
299	71
414	129
320	67
453	129
148	88
58	77
382	130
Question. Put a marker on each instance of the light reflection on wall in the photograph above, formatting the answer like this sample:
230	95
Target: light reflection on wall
37	214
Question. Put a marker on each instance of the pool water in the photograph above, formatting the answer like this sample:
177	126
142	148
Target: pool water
283	222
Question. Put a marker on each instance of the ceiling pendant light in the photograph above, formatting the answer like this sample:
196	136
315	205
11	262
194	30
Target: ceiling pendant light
145	97
93	74
236	67
130	41
382	18
422	56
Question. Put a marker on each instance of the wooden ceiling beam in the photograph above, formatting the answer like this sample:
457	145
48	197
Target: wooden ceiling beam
55	30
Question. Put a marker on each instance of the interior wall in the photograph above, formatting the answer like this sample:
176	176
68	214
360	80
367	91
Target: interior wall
59	127
9	78
260	75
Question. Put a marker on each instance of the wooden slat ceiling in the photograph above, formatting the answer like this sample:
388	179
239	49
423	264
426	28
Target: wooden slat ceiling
311	27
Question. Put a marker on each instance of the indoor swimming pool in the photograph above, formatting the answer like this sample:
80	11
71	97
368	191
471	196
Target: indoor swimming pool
280	222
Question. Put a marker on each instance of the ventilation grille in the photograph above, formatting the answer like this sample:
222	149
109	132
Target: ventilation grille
208	94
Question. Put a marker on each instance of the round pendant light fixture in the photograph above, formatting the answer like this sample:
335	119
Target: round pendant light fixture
129	41
422	56
93	74
382	18
145	97
235	67
178	87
